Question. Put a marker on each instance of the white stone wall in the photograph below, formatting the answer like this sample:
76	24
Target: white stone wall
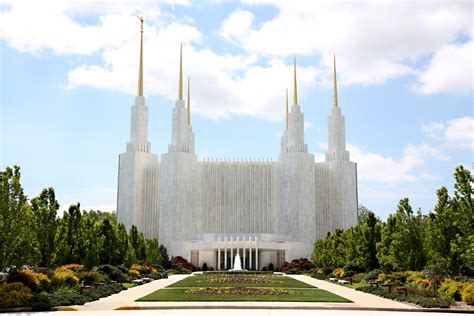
237	196
132	187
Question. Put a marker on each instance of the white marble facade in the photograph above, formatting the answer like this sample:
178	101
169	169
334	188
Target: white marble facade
207	211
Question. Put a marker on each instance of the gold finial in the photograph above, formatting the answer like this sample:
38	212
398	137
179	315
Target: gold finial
335	85
287	108
140	66
295	89
189	104
180	88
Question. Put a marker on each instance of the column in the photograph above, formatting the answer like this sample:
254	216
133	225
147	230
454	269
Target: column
231	252
250	252
256	254
218	253
225	252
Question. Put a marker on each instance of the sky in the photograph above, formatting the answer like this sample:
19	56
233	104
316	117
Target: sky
69	73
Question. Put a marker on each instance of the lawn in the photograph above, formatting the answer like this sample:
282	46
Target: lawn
242	287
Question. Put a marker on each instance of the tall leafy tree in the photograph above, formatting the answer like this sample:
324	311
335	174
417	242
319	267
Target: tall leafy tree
45	207
18	244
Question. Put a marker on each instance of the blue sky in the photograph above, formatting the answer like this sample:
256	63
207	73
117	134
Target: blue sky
69	75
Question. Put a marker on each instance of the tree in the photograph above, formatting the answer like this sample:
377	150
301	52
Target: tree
384	246
153	253
108	242
45	207
18	244
164	256
370	235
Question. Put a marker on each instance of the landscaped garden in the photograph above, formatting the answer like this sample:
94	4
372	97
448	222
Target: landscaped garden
242	287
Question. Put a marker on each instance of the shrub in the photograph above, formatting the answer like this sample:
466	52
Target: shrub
467	294
338	272
72	266
372	275
450	289
92	277
180	261
155	275
319	276
134	273
297	266
14	294
415	299
29	278
398	278
417	279
271	267
204	267
114	273
64	277
357	278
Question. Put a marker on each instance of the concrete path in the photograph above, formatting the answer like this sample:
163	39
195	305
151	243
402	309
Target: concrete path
360	299
127	297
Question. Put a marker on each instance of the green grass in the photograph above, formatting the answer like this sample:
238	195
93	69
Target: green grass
301	295
301	292
203	281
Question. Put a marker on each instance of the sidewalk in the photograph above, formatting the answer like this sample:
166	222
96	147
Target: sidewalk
360	299
127	297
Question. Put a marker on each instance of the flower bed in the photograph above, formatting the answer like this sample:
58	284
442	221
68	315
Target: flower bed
240	278
238	291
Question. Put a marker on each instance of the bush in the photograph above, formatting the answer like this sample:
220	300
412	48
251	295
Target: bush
179	262
338	272
29	278
450	289
417	280
155	275
319	276
91	278
44	301
372	275
14	294
134	273
467	294
352	266
357	278
64	277
427	302
398	278
204	267
114	273
297	266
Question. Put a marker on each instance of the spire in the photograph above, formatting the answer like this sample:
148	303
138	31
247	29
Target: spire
295	89
140	67
189	105
287	108
335	85
180	88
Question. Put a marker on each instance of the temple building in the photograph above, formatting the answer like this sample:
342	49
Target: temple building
209	210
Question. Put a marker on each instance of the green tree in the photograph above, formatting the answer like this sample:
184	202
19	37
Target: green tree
153	252
45	207
18	244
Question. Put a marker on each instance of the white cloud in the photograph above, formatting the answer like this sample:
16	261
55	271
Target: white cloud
237	25
375	168
373	41
95	198
454	133
308	125
450	70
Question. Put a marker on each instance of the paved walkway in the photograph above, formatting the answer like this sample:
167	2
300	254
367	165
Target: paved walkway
360	299
127	297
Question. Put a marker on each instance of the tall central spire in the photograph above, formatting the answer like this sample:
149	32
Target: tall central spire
180	88
140	67
295	89
334	99
287	108
189	104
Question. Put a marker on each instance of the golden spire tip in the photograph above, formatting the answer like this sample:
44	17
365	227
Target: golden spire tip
140	65
295	89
